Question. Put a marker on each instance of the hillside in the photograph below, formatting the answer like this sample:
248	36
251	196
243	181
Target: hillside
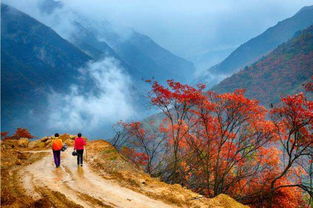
31	49
107	180
141	56
262	44
34	61
153	61
282	72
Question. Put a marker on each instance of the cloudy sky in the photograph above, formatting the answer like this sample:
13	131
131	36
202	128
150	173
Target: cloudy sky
191	27
187	28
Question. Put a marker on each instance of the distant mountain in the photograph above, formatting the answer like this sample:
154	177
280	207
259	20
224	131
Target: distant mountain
151	60
143	58
209	58
139	54
86	40
37	61
261	45
34	61
281	72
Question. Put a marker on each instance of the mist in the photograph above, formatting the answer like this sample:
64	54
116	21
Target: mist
195	30
78	111
187	28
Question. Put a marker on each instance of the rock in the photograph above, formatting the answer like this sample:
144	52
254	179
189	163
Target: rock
23	142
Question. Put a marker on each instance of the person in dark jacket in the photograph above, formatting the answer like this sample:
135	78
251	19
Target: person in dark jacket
79	147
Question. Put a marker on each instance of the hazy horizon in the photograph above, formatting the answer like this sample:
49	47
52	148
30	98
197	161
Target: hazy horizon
203	32
188	29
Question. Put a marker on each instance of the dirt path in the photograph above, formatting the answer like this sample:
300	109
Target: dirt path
72	186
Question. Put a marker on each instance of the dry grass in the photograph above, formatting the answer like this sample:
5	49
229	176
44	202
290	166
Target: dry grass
105	160
12	160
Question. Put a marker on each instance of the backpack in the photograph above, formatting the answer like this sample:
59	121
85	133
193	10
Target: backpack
57	144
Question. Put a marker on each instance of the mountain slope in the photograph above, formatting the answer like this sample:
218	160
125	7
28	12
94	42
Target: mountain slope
152	60
138	53
255	48
88	42
281	72
34	61
107	179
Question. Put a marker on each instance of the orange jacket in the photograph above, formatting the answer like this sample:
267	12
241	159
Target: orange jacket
57	144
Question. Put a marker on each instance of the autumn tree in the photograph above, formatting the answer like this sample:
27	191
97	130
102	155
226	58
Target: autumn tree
309	85
175	101
20	133
294	121
226	143
4	134
121	136
144	145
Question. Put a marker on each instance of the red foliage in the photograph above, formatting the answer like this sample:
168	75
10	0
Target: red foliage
309	86
23	133
137	157
20	133
225	143
4	134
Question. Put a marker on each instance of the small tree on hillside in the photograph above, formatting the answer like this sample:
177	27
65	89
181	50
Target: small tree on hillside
145	146
21	133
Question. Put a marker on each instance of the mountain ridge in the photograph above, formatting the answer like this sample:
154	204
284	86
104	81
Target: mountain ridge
35	61
138	53
256	47
281	72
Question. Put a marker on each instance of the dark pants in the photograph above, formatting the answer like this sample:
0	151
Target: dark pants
57	157
80	156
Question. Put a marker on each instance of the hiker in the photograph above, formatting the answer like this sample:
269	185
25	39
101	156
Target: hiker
56	148
79	147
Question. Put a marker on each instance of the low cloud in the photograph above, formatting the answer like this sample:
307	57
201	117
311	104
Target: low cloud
78	109
184	27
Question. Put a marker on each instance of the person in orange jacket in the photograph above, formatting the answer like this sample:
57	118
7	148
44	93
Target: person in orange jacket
79	147
56	148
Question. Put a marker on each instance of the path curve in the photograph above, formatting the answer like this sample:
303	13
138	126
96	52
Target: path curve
80	185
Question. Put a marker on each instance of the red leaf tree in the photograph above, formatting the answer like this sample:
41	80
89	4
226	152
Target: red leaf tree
19	133
143	146
226	143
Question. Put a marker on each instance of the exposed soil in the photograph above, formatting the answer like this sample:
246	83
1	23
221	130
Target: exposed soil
107	179
80	185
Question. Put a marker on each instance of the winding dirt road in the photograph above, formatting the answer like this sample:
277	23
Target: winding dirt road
72	186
